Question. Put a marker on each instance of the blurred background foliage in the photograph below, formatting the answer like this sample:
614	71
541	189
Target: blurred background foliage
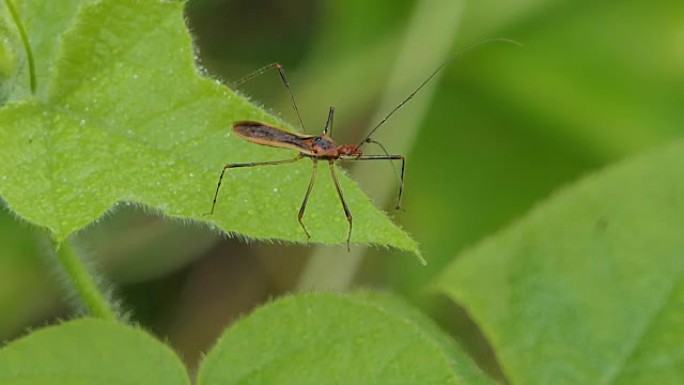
498	131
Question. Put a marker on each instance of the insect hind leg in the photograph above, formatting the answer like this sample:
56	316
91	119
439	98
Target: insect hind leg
250	164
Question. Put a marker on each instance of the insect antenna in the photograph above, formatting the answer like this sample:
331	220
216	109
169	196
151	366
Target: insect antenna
432	75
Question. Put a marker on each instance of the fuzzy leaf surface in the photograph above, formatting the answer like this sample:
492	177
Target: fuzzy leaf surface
588	288
327	338
122	114
90	351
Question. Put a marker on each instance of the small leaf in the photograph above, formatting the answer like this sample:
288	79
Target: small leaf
329	338
122	114
589	287
90	351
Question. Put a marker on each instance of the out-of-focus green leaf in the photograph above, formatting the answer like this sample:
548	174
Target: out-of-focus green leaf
88	352
26	291
341	339
587	288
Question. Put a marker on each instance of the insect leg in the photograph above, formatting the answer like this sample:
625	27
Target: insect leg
300	215
329	123
400	178
251	164
331	163
386	157
281	71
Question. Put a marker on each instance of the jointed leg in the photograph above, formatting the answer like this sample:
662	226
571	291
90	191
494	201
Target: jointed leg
387	157
347	213
300	215
401	183
329	123
251	164
281	72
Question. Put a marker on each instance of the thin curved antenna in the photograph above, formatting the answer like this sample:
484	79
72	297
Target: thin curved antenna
432	75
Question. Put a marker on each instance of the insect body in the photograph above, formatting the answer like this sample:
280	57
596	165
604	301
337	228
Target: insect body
315	148
322	147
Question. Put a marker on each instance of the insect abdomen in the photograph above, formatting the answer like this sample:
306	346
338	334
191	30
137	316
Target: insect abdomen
266	135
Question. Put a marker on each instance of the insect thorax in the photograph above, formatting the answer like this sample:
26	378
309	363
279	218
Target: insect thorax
324	147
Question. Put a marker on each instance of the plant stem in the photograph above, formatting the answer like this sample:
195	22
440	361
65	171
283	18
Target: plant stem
82	280
26	43
428	41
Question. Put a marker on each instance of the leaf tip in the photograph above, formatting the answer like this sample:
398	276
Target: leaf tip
421	259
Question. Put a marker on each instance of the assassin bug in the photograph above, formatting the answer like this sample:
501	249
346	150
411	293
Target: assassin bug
321	147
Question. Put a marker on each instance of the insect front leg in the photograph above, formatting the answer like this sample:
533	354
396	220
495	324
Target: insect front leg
386	157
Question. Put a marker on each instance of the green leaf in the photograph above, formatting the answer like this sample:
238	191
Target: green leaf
589	287
9	57
27	292
90	351
122	115
44	22
329	338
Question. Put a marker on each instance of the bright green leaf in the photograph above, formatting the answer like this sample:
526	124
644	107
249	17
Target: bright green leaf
44	22
329	338
122	115
588	288
88	352
9	57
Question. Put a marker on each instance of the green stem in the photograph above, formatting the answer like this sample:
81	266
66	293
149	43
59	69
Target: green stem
25	42
82	280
